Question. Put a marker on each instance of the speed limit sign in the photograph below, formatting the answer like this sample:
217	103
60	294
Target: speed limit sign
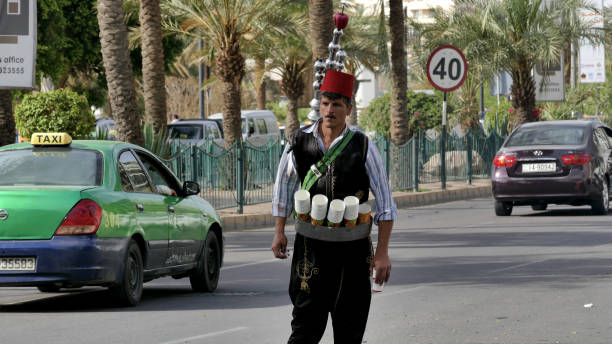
446	68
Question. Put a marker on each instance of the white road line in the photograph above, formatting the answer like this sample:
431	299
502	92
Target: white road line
208	335
518	266
249	264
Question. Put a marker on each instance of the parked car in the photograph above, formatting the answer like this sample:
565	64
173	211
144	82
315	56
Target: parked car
196	131
554	162
258	126
104	213
107	124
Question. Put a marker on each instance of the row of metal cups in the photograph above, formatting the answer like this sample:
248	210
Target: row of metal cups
348	211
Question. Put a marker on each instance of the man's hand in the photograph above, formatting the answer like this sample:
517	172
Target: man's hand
279	245
382	264
381	261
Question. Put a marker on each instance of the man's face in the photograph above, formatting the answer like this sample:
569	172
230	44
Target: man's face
333	112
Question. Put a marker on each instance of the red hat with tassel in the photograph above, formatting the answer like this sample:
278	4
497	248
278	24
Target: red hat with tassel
338	82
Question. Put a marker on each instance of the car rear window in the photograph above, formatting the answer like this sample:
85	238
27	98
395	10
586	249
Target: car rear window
186	132
558	136
51	166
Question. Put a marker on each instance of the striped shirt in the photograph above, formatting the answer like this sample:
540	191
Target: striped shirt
288	181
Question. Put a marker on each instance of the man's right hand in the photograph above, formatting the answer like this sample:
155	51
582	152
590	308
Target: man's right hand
279	245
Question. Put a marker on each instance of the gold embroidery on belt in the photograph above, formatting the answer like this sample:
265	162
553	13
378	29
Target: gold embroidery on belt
305	269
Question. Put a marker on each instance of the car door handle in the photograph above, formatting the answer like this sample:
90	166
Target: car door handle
171	209
139	208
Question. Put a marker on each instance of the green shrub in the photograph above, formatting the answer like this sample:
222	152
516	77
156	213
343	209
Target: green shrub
56	111
424	111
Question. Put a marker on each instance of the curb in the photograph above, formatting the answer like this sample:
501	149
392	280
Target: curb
239	222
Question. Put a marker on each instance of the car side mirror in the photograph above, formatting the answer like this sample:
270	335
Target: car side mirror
191	188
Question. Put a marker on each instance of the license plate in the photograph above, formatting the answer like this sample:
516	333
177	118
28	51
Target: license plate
539	168
17	263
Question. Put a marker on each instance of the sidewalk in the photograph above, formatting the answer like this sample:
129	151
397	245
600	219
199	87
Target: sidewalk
259	215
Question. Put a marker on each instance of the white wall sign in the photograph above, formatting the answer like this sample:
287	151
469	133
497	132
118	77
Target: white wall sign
550	84
17	43
592	56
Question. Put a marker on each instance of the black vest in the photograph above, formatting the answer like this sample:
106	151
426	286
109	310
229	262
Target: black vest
346	176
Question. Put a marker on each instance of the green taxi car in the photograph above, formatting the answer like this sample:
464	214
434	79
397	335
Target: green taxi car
104	213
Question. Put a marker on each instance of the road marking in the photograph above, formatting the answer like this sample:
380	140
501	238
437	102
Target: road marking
249	264
518	266
208	335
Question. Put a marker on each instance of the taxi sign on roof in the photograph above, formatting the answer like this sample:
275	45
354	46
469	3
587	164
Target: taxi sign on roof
50	139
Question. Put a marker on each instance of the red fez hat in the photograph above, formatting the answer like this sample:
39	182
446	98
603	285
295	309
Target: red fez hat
338	82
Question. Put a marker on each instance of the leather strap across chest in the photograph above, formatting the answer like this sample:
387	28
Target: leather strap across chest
318	169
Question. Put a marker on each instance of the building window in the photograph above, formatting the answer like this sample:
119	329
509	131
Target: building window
415	14
13	7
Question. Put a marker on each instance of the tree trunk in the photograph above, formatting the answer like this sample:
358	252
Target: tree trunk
293	122
352	119
260	83
321	20
232	123
7	120
153	74
119	77
293	86
399	119
523	93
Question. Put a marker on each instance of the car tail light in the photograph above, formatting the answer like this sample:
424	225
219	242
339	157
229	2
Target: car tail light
504	160
83	218
576	159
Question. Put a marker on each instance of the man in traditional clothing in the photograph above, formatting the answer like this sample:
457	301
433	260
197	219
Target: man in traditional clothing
333	277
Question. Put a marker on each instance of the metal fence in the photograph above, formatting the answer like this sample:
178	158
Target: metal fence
237	177
231	177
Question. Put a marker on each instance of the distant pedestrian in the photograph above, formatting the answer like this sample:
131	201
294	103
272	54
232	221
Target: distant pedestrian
175	118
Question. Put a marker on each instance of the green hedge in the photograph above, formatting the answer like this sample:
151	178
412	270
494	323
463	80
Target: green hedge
56	111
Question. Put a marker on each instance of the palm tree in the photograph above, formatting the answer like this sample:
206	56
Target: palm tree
7	120
512	35
115	54
361	44
465	32
321	24
153	73
399	118
291	58
224	24
272	24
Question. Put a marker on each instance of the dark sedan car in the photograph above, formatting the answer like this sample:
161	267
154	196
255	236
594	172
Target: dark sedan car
558	162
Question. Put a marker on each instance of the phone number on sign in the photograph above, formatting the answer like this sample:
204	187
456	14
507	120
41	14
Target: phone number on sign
12	70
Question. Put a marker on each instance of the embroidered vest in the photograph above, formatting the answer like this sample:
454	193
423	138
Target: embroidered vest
347	174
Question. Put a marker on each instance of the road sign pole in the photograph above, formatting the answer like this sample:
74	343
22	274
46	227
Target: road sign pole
443	145
446	71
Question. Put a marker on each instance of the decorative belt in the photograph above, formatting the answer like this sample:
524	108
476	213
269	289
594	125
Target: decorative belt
324	233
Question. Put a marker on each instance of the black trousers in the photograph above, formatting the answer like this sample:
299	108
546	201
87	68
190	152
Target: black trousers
330	278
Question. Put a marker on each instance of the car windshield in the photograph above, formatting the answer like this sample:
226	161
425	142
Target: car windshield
51	166
546	135
186	132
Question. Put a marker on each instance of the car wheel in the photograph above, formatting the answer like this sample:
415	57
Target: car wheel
49	288
129	290
503	208
541	206
205	276
602	205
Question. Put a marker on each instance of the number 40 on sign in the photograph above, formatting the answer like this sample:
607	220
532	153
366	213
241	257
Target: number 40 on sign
446	68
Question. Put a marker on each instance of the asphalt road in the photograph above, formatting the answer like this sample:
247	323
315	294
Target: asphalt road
460	275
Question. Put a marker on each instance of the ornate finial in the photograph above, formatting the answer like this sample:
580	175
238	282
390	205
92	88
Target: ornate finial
335	61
